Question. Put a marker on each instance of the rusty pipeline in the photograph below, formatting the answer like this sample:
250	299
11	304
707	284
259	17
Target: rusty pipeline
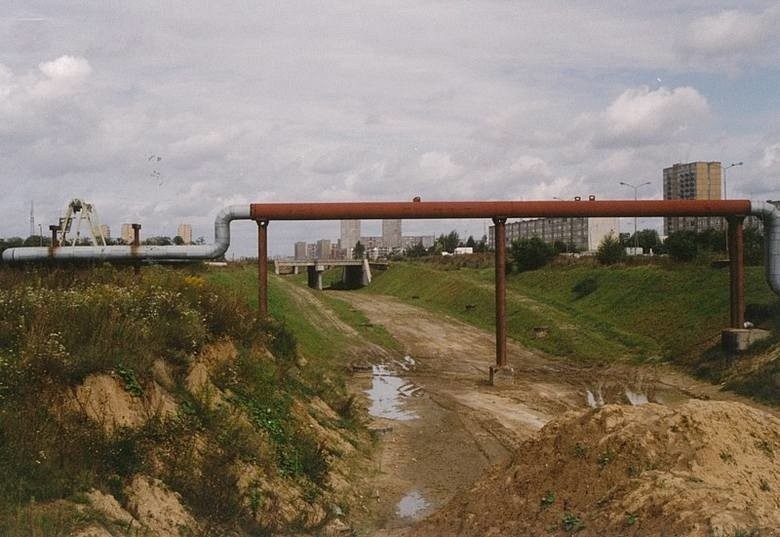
495	209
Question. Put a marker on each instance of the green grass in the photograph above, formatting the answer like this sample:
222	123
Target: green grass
374	333
312	339
635	312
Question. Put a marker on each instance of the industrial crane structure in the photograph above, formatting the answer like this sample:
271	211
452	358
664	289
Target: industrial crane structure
78	210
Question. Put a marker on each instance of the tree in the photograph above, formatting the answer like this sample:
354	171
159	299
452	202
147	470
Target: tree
482	245
358	251
449	242
754	246
158	241
418	250
610	250
712	240
681	245
647	239
178	240
530	254
470	242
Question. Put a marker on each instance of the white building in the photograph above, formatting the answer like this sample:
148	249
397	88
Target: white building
391	233
583	233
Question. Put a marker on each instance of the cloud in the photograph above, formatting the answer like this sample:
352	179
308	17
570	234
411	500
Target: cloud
62	77
731	36
438	165
305	100
771	156
644	116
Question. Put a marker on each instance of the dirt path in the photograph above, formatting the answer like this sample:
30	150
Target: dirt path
457	425
453	425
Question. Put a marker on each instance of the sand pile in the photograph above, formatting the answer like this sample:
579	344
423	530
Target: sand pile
703	469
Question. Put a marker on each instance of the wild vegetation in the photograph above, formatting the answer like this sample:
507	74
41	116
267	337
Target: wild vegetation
215	405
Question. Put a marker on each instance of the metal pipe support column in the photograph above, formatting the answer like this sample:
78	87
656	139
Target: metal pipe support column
500	243
262	268
736	272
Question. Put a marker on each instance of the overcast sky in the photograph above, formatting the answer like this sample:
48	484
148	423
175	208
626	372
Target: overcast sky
164	112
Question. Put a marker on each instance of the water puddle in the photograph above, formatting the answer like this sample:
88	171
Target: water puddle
386	393
636	398
413	505
594	401
605	393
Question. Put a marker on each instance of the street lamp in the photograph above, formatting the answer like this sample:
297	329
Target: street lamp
725	190
636	188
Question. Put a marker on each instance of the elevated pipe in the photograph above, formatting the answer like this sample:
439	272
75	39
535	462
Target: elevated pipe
492	209
422	210
771	217
128	253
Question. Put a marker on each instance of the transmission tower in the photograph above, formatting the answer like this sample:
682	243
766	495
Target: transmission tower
32	219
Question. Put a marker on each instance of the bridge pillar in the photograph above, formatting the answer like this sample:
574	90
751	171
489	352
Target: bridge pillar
262	268
295	269
314	273
353	276
501	373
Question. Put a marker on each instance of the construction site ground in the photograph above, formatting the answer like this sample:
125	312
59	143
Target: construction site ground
441	425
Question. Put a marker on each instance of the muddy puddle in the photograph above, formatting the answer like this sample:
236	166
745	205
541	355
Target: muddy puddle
389	391
413	506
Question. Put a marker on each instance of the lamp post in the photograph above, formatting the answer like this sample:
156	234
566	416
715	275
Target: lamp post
636	188
725	190
40	233
725	196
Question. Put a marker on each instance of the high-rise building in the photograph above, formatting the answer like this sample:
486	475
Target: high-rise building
350	235
185	232
300	250
391	233
105	231
323	249
693	181
126	233
311	251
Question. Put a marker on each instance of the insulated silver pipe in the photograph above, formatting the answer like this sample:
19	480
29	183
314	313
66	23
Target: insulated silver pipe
128	253
771	216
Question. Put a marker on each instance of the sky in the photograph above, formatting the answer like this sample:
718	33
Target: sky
164	112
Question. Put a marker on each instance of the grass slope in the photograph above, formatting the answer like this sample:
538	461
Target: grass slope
637	312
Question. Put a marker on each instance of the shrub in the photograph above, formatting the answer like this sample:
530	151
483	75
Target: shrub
585	287
610	251
682	246
530	254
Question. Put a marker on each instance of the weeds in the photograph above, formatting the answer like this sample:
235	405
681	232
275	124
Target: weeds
547	500
572	523
130	380
605	458
59	326
766	447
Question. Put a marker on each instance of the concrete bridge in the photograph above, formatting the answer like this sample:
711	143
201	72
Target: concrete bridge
357	272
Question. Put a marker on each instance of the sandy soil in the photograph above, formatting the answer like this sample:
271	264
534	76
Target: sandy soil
462	427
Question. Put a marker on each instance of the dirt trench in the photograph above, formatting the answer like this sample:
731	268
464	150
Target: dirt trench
442	426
